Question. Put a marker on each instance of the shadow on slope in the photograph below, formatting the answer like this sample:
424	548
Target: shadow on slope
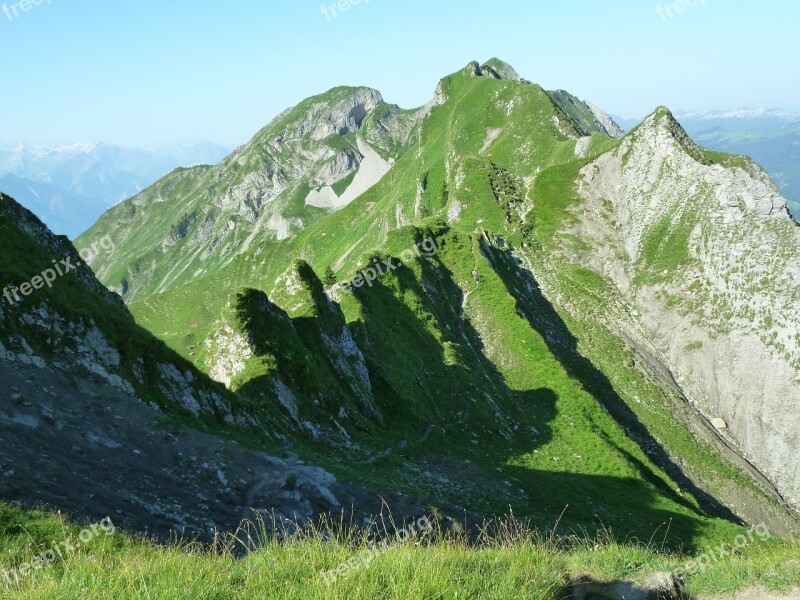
453	423
542	316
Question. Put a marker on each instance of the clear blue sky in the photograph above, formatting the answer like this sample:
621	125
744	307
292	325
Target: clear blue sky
148	71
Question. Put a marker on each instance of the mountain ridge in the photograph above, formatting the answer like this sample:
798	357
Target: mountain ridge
507	332
490	170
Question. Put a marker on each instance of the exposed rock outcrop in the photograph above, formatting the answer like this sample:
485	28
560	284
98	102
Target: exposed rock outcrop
703	248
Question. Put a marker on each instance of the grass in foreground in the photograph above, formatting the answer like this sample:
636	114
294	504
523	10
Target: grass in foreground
506	560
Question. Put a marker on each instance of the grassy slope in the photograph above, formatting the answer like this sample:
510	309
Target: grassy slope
511	563
529	142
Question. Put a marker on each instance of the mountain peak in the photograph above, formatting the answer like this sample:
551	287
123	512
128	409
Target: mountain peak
662	120
503	69
661	128
475	69
495	69
664	136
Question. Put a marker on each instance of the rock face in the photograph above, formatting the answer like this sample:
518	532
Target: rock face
285	346
371	168
702	247
590	118
230	350
604	121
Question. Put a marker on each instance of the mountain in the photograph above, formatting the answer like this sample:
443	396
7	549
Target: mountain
317	156
590	118
70	186
770	136
707	264
494	300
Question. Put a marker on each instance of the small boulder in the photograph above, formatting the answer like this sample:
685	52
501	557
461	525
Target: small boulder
659	586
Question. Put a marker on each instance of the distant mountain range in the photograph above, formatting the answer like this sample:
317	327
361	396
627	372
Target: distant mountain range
771	137
70	186
737	120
